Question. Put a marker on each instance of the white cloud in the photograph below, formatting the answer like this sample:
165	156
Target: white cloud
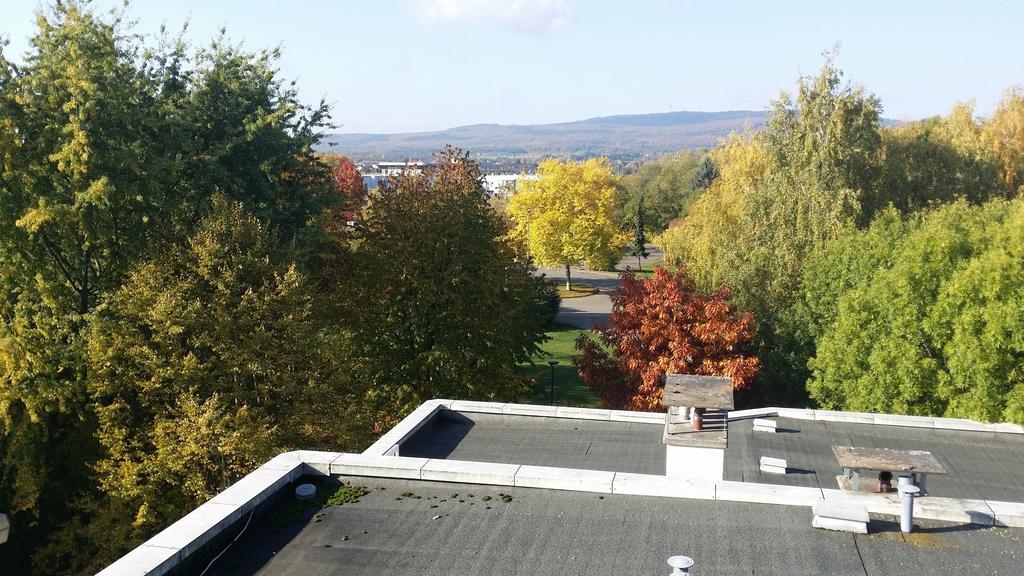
535	16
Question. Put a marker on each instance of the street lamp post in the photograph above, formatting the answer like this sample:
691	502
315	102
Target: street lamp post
552	363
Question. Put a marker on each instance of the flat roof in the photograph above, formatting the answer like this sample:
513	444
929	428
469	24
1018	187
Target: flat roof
983	465
449	529
540	441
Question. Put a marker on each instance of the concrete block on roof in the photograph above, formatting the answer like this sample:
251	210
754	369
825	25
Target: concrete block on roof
479	407
767	493
653	485
907	421
841	517
381	466
197	527
874	502
529	410
765	425
954	510
143	561
583	413
772	465
256	486
469	472
1007	513
564	479
642	417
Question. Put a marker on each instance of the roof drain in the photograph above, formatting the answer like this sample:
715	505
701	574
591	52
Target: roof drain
680	564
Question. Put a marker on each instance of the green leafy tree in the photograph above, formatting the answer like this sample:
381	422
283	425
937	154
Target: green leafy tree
201	363
109	154
441	307
935	328
781	194
666	187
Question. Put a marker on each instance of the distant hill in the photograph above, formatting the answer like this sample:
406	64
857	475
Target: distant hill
625	137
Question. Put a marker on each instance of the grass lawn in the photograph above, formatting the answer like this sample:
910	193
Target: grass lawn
569	388
648	270
578	290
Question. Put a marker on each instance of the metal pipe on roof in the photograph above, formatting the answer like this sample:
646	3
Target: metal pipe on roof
907	494
680	564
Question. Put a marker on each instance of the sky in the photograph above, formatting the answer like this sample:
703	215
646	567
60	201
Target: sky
415	65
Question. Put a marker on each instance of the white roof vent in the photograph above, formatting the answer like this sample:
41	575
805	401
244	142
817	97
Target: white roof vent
680	564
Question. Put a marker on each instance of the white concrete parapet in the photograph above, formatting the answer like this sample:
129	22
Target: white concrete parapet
652	485
564	479
879	419
470	472
1007	513
478	407
530	410
379	466
407	427
163	552
582	413
767	493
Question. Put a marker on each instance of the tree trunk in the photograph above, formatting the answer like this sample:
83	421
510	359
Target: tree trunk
639	266
568	279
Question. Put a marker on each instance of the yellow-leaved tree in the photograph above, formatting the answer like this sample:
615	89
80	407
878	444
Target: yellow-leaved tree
1003	133
567	215
701	238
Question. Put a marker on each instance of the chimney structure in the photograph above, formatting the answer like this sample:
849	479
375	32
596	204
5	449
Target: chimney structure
696	425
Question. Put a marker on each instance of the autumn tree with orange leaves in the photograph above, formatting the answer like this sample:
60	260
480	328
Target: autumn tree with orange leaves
663	325
349	183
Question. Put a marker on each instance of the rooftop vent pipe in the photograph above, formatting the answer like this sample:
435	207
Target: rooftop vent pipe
680	564
907	494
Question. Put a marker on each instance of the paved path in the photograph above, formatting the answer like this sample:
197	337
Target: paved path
588	311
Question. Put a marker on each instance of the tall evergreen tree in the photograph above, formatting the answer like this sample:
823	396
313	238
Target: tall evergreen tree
704	176
639	238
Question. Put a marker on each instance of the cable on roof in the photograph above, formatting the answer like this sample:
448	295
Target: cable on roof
207	569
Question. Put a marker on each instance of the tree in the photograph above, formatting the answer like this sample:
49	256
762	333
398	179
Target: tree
567	215
934	329
924	168
201	364
704	176
664	325
639	239
666	186
438	303
1003	134
348	182
781	194
110	152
